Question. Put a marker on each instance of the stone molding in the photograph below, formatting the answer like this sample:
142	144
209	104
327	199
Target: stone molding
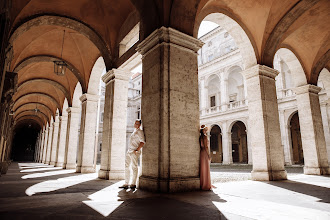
116	74
260	70
307	89
73	110
169	36
89	97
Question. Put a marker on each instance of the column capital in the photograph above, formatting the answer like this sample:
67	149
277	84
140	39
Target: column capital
258	70
307	89
116	74
73	110
89	97
169	36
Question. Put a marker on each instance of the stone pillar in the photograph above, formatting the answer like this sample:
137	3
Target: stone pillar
86	150
114	125
71	144
50	142
37	148
248	137
57	125
311	128
224	93
325	120
203	99
170	111
39	159
264	126
226	146
61	141
285	130
44	153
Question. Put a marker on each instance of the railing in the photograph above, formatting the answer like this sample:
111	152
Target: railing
288	93
224	107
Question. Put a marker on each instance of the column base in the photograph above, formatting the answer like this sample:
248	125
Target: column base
112	174
316	170
169	185
269	175
84	169
47	162
51	163
69	166
58	164
4	167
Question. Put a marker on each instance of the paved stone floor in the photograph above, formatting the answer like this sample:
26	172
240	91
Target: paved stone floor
38	191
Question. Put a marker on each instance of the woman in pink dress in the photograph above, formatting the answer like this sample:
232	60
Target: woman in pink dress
205	176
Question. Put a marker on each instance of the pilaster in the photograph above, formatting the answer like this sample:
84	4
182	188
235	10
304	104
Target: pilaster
50	142
56	128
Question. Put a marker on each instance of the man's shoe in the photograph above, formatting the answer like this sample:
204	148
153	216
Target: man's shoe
125	186
132	186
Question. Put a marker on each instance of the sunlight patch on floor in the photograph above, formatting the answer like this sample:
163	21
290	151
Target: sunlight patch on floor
51	173
61	183
261	209
106	200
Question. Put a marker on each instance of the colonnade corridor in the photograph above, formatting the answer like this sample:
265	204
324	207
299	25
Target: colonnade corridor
39	191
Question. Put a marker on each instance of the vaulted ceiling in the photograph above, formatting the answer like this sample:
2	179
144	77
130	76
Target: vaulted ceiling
94	28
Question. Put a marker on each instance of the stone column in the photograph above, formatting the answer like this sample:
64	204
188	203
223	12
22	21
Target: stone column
86	150
41	146
37	148
170	111
71	144
44	153
324	109
311	128
264	126
61	141
226	146
57	125
50	142
287	149
224	93
203	99
114	125
248	137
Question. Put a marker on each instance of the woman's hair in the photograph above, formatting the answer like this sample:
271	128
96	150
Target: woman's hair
139	120
201	136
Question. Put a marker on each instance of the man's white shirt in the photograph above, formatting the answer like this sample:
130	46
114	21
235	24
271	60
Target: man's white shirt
136	138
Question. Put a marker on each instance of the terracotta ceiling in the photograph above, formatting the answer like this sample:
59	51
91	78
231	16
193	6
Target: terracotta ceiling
95	28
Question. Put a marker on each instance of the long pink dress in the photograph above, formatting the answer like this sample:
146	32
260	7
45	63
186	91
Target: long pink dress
205	175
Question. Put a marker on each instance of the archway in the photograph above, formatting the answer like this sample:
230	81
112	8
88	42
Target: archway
239	143
216	145
297	150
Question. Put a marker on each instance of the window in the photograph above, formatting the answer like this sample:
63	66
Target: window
212	101
102	115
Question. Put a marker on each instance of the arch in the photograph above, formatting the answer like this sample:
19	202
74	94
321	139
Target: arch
38	103
35	118
243	38
31	110
50	58
236	84
32	106
297	70
57	20
239	142
281	28
65	106
319	66
95	77
49	81
23	120
216	144
76	96
52	99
